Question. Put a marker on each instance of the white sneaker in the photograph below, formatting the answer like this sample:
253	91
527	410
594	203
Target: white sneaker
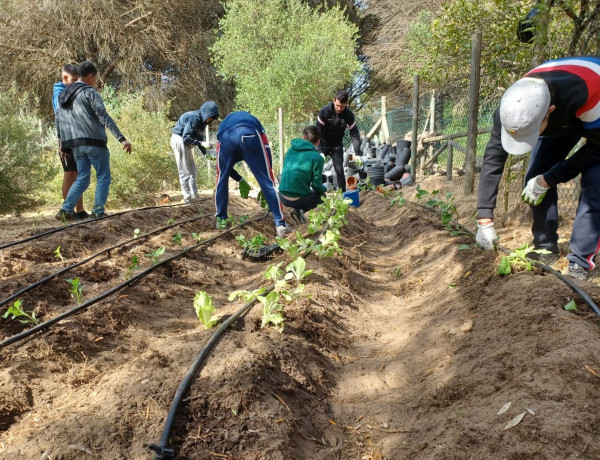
283	231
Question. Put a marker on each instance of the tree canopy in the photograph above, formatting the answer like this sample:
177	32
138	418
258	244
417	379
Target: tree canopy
285	54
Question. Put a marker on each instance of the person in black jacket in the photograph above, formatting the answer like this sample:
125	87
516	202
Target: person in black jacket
333	120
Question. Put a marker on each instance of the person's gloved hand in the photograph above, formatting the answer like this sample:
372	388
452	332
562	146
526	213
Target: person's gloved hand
244	188
534	192
486	236
201	148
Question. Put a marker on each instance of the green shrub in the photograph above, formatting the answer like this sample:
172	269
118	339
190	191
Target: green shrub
28	158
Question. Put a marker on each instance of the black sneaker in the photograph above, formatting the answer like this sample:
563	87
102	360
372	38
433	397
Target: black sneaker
547	259
298	216
98	215
577	271
83	215
66	216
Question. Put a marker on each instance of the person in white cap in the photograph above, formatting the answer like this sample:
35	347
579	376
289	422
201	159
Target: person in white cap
547	112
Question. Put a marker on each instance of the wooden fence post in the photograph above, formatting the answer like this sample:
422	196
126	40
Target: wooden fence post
280	140
469	183
450	161
415	126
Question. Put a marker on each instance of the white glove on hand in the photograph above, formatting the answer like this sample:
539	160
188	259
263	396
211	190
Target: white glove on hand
533	193
486	236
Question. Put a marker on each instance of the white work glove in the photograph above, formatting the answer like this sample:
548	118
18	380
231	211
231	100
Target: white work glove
534	193
486	236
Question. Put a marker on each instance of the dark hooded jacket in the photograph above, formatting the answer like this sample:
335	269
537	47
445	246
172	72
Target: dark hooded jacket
81	118
190	125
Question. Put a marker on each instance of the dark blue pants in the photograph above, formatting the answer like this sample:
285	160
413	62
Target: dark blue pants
247	144
585	235
306	202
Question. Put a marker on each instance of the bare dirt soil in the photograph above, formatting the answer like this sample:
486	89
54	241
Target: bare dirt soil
405	346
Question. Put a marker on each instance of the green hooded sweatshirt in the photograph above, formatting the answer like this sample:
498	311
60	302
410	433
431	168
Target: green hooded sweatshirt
302	169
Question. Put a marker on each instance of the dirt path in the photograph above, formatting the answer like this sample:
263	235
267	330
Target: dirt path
404	347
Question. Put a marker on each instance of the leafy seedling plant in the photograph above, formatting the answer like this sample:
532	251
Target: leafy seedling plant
171	221
58	255
17	312
178	239
155	255
134	265
136	233
197	237
76	290
221	223
254	243
518	257
297	270
398	200
272	310
205	310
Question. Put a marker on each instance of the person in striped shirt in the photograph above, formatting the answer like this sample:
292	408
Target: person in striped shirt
548	112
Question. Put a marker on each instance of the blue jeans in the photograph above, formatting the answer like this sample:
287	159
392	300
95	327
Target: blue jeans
87	156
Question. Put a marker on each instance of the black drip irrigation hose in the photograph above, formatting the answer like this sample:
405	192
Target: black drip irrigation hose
161	451
586	298
87	221
83	306
93	256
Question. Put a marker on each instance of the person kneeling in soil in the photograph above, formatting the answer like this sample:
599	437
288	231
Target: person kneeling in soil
301	186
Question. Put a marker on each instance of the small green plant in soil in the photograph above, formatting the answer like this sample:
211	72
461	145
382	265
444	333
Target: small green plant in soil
205	310
17	312
518	258
246	295
272	310
328	244
178	239
155	255
297	270
254	243
76	290
222	223
197	237
171	221
398	200
136	233
571	306
58	255
134	265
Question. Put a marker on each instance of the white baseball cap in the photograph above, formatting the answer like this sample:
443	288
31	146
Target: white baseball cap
522	110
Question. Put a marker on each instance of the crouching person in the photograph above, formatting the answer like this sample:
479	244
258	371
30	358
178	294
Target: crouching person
301	186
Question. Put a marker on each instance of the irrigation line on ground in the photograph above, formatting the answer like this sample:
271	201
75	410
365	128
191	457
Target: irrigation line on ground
161	451
93	256
87	221
83	306
586	298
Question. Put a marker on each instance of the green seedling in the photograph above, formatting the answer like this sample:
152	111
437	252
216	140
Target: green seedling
254	243
76	290
246	295
20	315
134	265
58	255
291	295
178	239
398	272
290	247
171	221
136	233
221	223
205	310
275	274
200	211
154	255
399	200
197	237
297	270
464	247
243	218
571	306
272	310
329	244
518	258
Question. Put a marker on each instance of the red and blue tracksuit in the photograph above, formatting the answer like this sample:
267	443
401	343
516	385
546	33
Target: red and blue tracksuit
574	84
242	137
